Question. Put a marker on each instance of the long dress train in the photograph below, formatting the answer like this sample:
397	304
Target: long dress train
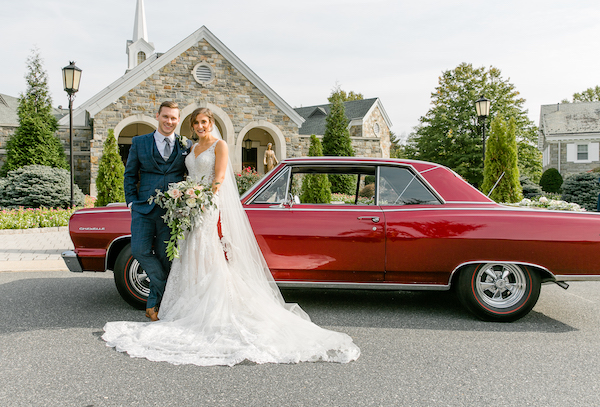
215	312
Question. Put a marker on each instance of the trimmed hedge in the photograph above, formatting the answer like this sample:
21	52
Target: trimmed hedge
551	180
38	186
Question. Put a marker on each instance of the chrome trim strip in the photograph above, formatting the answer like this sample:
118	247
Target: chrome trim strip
579	277
109	247
362	286
119	209
334	208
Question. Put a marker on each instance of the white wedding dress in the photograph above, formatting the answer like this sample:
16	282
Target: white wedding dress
219	309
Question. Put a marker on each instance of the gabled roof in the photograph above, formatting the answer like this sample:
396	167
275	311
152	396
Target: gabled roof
157	61
570	119
9	106
355	110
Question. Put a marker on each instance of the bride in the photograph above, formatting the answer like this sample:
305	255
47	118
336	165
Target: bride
221	305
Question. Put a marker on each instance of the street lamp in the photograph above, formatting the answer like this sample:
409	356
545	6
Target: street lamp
71	78
482	106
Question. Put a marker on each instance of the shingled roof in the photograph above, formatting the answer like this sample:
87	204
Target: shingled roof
314	116
8	110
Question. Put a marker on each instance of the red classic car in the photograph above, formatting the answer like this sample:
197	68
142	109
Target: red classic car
406	225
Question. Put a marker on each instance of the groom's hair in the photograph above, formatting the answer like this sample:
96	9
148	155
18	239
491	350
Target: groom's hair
170	104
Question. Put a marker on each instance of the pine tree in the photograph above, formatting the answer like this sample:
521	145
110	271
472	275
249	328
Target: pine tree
34	141
501	158
110	173
336	142
315	187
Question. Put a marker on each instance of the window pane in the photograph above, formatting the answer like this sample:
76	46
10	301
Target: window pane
582	152
399	186
276	191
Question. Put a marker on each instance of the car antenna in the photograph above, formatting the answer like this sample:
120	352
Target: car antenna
496	184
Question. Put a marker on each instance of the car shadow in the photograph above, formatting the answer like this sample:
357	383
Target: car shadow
82	301
439	310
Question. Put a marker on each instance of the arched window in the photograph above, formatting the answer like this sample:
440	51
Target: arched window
141	57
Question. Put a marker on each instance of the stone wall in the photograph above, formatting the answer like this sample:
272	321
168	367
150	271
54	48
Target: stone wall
6	133
363	147
229	90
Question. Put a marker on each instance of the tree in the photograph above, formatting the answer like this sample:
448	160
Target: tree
501	163
396	146
336	141
34	141
315	187
110	173
551	181
346	97
588	95
449	133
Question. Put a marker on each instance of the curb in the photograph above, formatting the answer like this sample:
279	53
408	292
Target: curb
34	230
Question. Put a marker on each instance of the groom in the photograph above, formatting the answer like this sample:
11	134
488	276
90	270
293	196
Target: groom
155	160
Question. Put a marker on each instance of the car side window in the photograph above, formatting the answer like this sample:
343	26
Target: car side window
276	192
399	186
333	186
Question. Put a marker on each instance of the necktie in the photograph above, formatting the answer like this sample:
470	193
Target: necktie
167	151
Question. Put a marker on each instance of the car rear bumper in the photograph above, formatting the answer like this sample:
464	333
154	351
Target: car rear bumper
72	261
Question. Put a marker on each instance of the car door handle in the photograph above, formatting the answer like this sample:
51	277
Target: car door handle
375	219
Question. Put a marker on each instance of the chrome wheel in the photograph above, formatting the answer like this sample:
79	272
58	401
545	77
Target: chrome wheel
498	291
138	279
500	285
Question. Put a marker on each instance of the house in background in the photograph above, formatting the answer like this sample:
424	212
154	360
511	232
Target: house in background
569	137
368	124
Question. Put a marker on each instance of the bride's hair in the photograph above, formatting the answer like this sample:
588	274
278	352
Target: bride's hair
201	110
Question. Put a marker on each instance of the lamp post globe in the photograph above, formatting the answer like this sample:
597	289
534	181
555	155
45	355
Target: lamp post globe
71	79
482	107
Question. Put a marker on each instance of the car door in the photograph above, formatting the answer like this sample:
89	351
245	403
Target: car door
416	233
317	242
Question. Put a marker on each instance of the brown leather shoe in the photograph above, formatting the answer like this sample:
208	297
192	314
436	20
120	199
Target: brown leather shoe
152	313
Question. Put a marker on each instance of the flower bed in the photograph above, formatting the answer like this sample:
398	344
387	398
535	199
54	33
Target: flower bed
27	218
545	203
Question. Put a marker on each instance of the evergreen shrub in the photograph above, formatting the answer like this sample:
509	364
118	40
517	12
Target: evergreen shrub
582	189
551	180
530	188
315	187
37	186
110	173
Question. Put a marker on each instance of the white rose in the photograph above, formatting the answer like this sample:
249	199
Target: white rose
191	202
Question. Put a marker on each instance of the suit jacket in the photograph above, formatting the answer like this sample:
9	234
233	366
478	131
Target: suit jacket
143	167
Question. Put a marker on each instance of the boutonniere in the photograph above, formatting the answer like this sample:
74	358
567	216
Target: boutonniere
183	141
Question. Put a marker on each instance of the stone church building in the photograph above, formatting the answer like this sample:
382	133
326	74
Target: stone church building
201	71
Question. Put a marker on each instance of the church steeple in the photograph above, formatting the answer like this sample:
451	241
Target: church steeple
139	48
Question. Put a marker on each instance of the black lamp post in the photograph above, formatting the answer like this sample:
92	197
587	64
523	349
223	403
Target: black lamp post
482	106
71	78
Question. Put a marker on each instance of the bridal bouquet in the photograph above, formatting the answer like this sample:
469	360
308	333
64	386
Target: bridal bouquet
184	202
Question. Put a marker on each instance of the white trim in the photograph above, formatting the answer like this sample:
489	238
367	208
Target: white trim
274	131
138	118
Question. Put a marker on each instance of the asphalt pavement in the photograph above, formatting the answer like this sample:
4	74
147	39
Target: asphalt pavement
34	249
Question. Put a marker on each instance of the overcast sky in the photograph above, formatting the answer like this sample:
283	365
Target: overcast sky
391	49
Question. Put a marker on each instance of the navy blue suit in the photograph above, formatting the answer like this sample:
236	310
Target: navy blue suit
148	230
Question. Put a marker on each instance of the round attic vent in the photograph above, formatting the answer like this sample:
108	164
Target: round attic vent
203	73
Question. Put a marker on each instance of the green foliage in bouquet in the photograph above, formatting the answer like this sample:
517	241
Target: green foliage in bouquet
184	202
37	186
110	173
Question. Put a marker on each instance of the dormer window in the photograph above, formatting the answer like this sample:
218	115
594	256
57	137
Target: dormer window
141	56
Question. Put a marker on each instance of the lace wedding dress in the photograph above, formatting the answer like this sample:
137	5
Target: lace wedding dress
221	306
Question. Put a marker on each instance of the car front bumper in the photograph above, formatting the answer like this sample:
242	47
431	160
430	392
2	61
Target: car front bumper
72	261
